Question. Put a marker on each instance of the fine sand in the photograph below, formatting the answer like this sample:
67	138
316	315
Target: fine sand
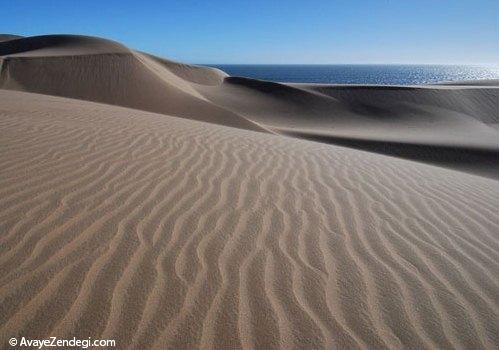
170	206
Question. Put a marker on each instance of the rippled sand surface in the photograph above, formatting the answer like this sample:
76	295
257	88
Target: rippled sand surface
207	226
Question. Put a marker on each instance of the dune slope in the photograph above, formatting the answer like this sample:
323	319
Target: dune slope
104	71
452	124
161	232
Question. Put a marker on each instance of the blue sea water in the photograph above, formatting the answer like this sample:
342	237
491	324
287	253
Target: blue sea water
361	74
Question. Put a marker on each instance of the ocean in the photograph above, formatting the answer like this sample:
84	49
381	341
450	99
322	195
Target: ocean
361	74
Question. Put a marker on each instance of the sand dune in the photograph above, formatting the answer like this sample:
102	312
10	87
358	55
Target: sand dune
7	37
161	205
451	124
104	71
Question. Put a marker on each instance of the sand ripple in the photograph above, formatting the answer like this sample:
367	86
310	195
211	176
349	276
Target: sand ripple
162	232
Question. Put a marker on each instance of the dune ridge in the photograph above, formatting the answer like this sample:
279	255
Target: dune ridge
460	116
188	219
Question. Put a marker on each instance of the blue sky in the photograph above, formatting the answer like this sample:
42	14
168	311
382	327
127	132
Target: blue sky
383	31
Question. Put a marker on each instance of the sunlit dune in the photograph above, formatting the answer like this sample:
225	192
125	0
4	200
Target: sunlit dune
171	206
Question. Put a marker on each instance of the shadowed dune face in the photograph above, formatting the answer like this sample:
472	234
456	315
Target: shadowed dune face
7	37
459	117
59	45
453	126
476	101
478	160
104	71
166	233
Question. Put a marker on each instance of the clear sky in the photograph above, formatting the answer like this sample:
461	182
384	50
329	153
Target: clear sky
266	31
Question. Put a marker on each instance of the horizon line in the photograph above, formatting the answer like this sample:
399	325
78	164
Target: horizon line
489	65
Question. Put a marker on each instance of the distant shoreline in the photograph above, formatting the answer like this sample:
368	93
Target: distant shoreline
372	74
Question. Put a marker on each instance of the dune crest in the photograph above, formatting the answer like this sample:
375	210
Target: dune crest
460	117
103	71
